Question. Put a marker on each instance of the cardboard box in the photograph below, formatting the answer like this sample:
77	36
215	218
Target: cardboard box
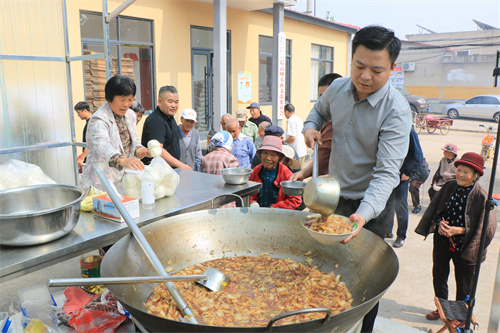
104	207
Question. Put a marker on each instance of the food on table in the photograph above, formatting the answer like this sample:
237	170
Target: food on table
153	143
333	224
261	288
155	152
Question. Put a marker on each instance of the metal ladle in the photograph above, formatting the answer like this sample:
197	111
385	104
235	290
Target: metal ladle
321	194
211	279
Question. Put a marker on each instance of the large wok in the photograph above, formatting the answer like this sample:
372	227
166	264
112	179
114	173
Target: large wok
367	264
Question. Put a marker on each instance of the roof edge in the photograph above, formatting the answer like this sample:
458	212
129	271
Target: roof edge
307	18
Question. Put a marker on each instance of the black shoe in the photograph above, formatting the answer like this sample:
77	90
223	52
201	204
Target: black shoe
389	235
416	210
399	242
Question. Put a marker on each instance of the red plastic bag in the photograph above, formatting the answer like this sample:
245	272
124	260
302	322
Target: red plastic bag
100	314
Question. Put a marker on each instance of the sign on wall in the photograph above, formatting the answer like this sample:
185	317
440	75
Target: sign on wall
397	79
281	74
244	87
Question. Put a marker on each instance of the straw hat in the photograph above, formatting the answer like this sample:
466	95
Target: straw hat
272	143
289	152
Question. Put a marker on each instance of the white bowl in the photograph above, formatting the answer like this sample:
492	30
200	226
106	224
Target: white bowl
330	239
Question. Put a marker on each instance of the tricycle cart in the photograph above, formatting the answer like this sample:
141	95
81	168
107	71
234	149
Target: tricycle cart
430	124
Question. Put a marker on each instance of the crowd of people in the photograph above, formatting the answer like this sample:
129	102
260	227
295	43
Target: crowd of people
363	127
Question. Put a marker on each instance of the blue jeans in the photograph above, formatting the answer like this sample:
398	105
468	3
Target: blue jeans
400	206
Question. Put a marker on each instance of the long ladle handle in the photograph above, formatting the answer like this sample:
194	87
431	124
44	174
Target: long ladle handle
315	160
121	280
186	311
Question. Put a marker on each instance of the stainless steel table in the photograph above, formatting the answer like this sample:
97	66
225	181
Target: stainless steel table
195	192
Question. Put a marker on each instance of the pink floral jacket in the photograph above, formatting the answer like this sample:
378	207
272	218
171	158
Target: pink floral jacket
103	141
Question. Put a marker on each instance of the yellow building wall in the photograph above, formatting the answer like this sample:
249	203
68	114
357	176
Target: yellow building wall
452	92
172	42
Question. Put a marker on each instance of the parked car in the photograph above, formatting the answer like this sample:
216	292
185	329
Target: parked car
484	106
417	103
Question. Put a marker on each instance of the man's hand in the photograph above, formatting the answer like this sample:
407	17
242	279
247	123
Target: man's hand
310	135
404	177
298	176
360	220
131	163
185	167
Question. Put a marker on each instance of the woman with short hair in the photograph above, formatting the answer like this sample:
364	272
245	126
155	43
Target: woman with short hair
112	140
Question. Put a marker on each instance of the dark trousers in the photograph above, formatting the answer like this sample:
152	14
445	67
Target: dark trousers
432	193
464	274
378	225
400	206
415	191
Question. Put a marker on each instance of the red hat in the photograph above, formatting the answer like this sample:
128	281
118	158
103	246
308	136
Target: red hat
472	160
450	147
273	143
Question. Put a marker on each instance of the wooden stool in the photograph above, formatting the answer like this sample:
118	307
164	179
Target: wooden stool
453	314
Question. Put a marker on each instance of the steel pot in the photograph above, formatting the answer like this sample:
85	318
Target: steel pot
367	264
38	214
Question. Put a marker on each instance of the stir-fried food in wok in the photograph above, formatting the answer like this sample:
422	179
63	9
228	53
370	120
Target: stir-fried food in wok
333	224
261	288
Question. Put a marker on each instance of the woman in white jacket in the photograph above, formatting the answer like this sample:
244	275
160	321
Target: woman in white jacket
112	141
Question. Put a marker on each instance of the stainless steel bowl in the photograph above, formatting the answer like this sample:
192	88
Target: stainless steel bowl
236	176
293	187
38	214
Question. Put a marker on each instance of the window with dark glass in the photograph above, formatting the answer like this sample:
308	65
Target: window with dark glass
321	64
131	50
266	66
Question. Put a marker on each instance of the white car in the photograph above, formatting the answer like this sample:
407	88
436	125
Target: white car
484	106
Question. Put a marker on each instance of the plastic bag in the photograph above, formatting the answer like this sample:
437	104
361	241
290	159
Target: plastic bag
16	173
166	180
100	314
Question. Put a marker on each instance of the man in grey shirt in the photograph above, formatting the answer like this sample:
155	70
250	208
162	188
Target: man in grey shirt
371	129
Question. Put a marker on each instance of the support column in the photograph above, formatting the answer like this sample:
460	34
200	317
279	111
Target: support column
220	62
278	26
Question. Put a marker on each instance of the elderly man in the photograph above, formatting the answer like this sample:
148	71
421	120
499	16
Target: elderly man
190	140
257	116
243	147
223	119
161	126
220	157
82	109
248	128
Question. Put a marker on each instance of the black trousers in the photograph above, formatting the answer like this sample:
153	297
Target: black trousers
378	225
464	274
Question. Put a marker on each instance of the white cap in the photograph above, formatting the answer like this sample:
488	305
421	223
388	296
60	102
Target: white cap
189	114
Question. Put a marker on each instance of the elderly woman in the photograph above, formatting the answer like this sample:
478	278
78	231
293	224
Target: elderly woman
271	173
112	141
456	216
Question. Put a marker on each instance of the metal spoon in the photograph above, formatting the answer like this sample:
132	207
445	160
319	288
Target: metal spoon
321	194
212	279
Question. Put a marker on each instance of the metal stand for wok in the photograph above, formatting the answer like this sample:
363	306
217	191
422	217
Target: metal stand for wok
186	311
490	205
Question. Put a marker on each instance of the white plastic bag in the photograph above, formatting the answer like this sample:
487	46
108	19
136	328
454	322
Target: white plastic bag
16	173
166	180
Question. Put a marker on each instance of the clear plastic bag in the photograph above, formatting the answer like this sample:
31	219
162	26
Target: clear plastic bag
16	173
166	180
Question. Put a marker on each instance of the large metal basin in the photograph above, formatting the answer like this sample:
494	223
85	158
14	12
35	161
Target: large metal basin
38	214
367	264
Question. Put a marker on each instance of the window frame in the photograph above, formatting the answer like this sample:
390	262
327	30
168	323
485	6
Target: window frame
118	43
321	60
288	70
